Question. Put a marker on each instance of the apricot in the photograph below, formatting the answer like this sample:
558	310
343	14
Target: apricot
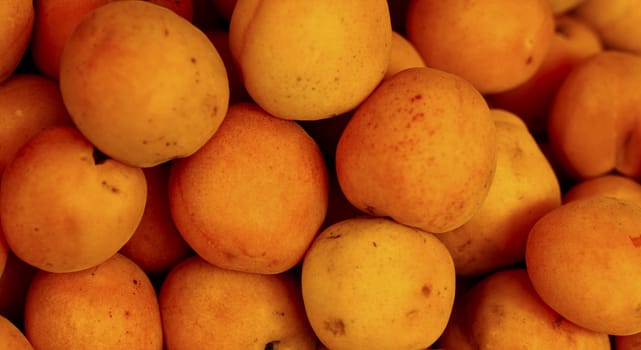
616	21
372	283
524	188
420	149
254	196
16	26
307	60
14	283
503	311
156	245
55	20
496	45
403	55
584	260
64	207
611	185
11	337
110	306
206	307
28	104
142	83
573	41
594	125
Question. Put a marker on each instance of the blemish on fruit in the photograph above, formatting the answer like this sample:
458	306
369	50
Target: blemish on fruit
412	313
271	345
426	290
416	98
636	241
562	30
529	60
370	209
113	189
336	326
558	321
374	244
99	157
135	281
193	60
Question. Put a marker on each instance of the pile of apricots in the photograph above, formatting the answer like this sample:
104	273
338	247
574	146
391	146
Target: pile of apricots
342	175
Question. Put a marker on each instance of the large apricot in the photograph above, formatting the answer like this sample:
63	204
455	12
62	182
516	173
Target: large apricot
594	124
420	149
253	198
310	59
142	83
584	260
494	44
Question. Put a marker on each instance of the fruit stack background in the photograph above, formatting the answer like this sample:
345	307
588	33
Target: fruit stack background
280	174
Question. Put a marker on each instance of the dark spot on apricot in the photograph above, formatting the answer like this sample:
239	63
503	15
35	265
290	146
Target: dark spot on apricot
111	188
529	60
636	241
193	60
271	345
426	290
558	321
374	244
562	30
416	98
336	326
370	209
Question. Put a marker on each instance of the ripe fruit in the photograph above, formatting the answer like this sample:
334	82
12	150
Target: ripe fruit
421	149
16	26
156	245
573	41
371	283
143	84
616	21
11	337
611	185
594	121
307	60
206	307
524	188
63	208
584	260
503	311
496	45
109	306
28	104
253	198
